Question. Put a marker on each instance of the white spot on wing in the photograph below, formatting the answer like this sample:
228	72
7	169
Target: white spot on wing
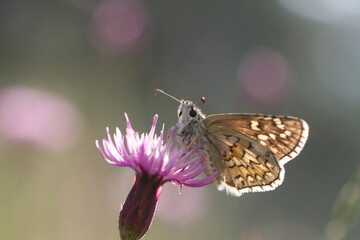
262	143
263	137
255	125
272	136
281	126
277	121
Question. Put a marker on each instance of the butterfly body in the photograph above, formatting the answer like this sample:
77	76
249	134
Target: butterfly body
247	151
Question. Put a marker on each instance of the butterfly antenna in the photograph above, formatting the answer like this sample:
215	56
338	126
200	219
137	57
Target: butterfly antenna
161	91
202	100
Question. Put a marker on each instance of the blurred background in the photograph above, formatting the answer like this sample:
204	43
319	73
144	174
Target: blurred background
70	68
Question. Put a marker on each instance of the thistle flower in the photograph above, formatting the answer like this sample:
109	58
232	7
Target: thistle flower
154	163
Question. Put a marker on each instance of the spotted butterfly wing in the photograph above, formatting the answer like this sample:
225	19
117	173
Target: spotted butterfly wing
248	151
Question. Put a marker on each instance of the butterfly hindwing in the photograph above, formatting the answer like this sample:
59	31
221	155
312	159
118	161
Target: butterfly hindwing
246	165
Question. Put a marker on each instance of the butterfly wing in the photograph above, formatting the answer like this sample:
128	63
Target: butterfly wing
245	159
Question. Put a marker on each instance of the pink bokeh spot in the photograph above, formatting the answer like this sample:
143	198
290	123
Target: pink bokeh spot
264	75
184	208
38	118
118	26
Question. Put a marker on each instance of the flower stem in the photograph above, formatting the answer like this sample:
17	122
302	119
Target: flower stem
138	210
346	210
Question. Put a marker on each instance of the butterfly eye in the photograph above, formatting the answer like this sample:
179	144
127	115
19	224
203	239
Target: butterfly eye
192	113
180	113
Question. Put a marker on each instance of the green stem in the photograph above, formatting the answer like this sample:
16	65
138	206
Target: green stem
346	210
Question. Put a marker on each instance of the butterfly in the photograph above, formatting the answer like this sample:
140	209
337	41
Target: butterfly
247	151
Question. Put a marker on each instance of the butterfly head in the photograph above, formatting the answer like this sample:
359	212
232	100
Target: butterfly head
188	113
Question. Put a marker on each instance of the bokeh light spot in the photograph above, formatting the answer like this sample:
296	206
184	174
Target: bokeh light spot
263	74
323	10
118	26
336	58
181	209
38	118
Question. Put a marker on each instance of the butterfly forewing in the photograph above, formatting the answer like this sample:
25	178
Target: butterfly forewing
283	136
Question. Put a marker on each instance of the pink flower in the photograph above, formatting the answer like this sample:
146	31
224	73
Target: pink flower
154	163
